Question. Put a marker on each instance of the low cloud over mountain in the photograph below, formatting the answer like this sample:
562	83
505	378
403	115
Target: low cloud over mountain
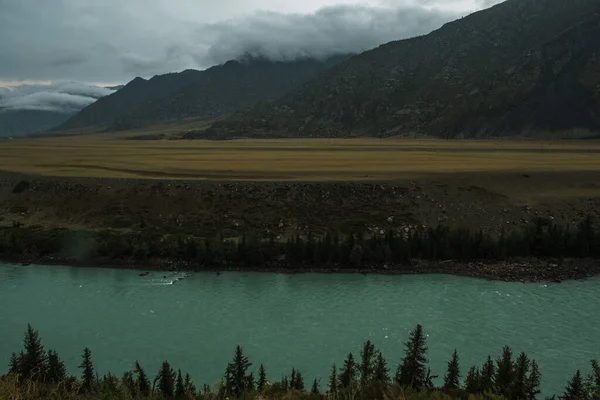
116	41
62	97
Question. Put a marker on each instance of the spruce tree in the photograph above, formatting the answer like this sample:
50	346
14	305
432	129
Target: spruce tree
87	373
129	384
236	380
333	383
520	381
57	372
314	390
262	378
367	363
575	389
143	383
534	381
34	359
190	388
179	386
413	370
14	365
348	373
473	381
381	371
299	383
488	373
504	373
451	380
110	384
293	379
593	380
166	380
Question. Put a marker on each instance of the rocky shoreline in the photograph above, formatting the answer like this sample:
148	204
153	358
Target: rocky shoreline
518	270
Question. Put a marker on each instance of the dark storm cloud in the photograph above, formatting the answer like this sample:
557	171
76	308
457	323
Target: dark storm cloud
57	96
114	40
331	30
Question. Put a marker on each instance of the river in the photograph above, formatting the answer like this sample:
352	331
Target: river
307	321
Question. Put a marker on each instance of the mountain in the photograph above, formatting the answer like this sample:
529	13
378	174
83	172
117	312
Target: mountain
216	91
22	122
520	67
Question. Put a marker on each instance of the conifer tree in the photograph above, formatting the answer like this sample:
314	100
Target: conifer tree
262	378
57	372
190	388
293	378
314	390
285	383
593	380
575	388
488	373
348	373
166	379
299	382
367	363
534	381
520	381
504	373
451	380
33	361
14	365
413	370
179	386
129	384
143	383
473	381
110	384
87	373
381	371
236	380
333	383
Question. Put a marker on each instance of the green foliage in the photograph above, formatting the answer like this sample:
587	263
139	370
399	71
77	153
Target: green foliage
32	362
367	363
504	373
166	380
332	387
57	372
413	370
87	371
451	380
575	389
237	380
143	383
262	378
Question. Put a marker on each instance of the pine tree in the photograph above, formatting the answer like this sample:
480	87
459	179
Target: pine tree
314	390
594	380
34	359
190	388
575	388
166	379
299	382
488	373
473	381
367	363
520	381
348	373
333	383
129	384
381	371
262	378
413	370
179	386
236	380
57	372
451	380
504	374
110	384
143	383
534	381
14	365
87	374
293	379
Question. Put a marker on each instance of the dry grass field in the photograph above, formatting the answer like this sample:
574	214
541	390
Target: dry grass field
290	159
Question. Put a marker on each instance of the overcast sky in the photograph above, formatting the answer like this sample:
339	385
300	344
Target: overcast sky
112	41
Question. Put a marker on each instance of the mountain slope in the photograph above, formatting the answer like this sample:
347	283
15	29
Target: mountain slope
519	67
216	91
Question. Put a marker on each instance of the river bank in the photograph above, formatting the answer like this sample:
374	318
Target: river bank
518	270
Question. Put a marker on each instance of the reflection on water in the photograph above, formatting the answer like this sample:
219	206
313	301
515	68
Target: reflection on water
307	321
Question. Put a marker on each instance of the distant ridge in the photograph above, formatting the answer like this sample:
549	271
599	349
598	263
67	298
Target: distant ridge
216	91
521	67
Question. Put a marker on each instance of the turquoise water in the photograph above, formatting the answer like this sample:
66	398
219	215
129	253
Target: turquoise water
307	321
